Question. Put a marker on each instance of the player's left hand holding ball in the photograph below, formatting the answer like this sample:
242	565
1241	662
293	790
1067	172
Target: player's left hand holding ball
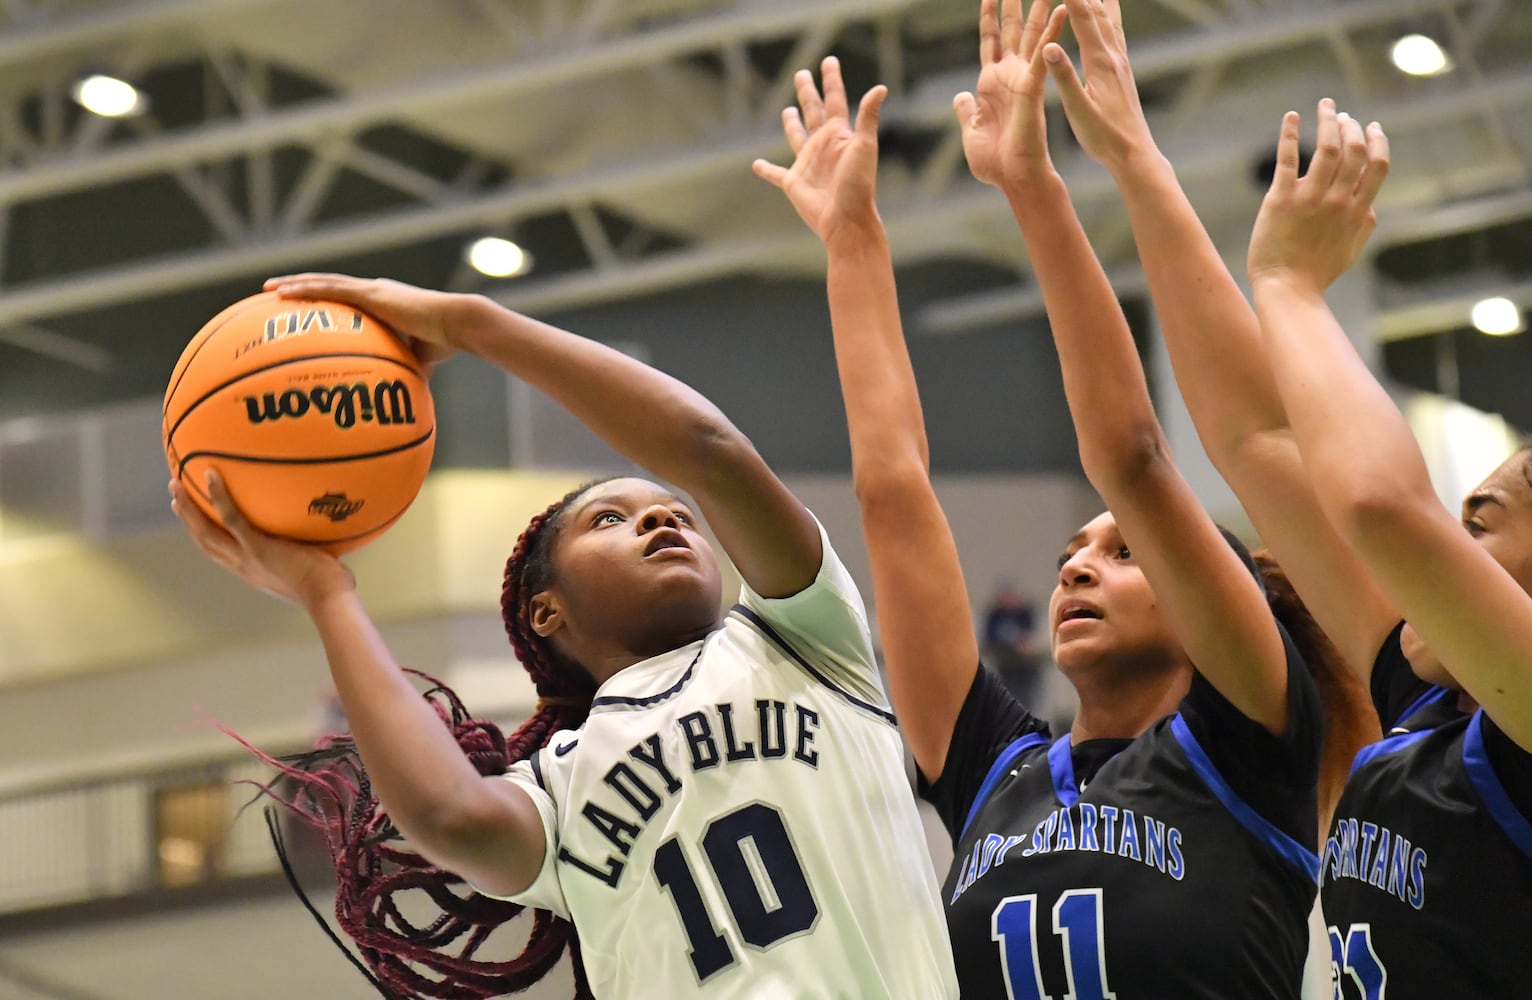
423	317
303	574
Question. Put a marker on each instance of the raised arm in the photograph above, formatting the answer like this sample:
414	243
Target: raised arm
1214	341
1365	463
486	830
662	424
1215	607
924	621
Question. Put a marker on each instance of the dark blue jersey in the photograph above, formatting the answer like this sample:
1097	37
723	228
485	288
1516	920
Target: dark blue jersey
1178	865
1427	875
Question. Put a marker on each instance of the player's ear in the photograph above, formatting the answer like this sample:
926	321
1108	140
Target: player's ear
545	614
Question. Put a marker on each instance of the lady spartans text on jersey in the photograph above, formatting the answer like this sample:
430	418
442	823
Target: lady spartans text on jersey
775	730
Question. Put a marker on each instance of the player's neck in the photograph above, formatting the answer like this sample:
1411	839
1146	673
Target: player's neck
1123	708
603	657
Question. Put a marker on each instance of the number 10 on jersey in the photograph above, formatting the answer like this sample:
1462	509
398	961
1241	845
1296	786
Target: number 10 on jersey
751	855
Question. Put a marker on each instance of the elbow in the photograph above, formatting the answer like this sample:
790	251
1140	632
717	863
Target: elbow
1376	511
1127	459
884	477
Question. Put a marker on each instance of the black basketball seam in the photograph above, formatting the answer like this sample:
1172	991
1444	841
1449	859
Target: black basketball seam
334	460
211	334
332	541
277	364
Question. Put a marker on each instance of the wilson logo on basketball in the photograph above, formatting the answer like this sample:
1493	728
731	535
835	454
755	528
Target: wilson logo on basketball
335	506
386	402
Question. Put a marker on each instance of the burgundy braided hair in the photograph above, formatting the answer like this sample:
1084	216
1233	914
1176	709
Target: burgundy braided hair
328	789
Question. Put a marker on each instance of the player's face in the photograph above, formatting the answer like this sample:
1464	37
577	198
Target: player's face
1498	514
630	567
1103	608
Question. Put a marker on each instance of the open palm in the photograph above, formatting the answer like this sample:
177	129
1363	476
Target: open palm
1004	130
832	183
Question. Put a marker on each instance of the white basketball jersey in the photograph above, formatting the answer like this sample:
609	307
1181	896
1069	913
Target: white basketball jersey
734	819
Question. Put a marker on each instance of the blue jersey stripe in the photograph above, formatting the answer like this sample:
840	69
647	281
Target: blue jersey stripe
1383	746
1259	826
1491	792
998	769
1433	695
812	671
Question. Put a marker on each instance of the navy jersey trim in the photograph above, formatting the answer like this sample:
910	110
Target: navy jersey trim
615	701
1387	745
1263	829
809	668
536	760
1061	766
997	770
1435	694
1491	792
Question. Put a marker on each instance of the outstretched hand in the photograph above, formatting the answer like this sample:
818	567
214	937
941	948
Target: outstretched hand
1312	228
1005	134
303	574
419	315
833	180
1103	110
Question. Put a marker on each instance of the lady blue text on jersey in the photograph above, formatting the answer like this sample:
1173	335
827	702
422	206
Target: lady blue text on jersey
714	736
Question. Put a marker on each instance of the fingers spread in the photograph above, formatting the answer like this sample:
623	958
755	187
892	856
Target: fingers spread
836	104
808	99
1286	175
1010	26
770	173
1327	147
966	107
989	32
209	537
1353	155
792	127
1084	15
1037	20
1377	165
869	110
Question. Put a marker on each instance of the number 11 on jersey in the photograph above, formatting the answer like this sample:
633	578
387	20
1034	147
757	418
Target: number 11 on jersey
1077	919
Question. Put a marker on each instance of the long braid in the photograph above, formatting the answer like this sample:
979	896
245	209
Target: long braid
328	789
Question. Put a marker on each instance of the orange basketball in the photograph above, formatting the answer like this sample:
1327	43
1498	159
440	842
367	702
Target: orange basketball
318	418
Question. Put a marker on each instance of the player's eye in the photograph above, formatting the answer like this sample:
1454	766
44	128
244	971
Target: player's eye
684	516
1123	553
1064	558
607	517
1473	527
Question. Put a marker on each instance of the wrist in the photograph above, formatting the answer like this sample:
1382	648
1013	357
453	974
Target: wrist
1284	279
1141	168
461	314
325	587
857	237
1040	196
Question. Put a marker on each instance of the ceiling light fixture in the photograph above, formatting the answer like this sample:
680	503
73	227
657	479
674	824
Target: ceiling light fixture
1420	55
108	96
496	257
1497	317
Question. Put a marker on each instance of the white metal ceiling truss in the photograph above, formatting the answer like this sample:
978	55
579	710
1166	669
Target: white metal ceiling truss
692	107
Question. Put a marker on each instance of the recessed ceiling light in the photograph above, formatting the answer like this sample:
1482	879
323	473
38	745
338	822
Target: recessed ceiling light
495	257
1498	317
1419	55
108	96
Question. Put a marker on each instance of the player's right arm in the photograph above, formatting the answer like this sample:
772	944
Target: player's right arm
488	831
1214	341
928	640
